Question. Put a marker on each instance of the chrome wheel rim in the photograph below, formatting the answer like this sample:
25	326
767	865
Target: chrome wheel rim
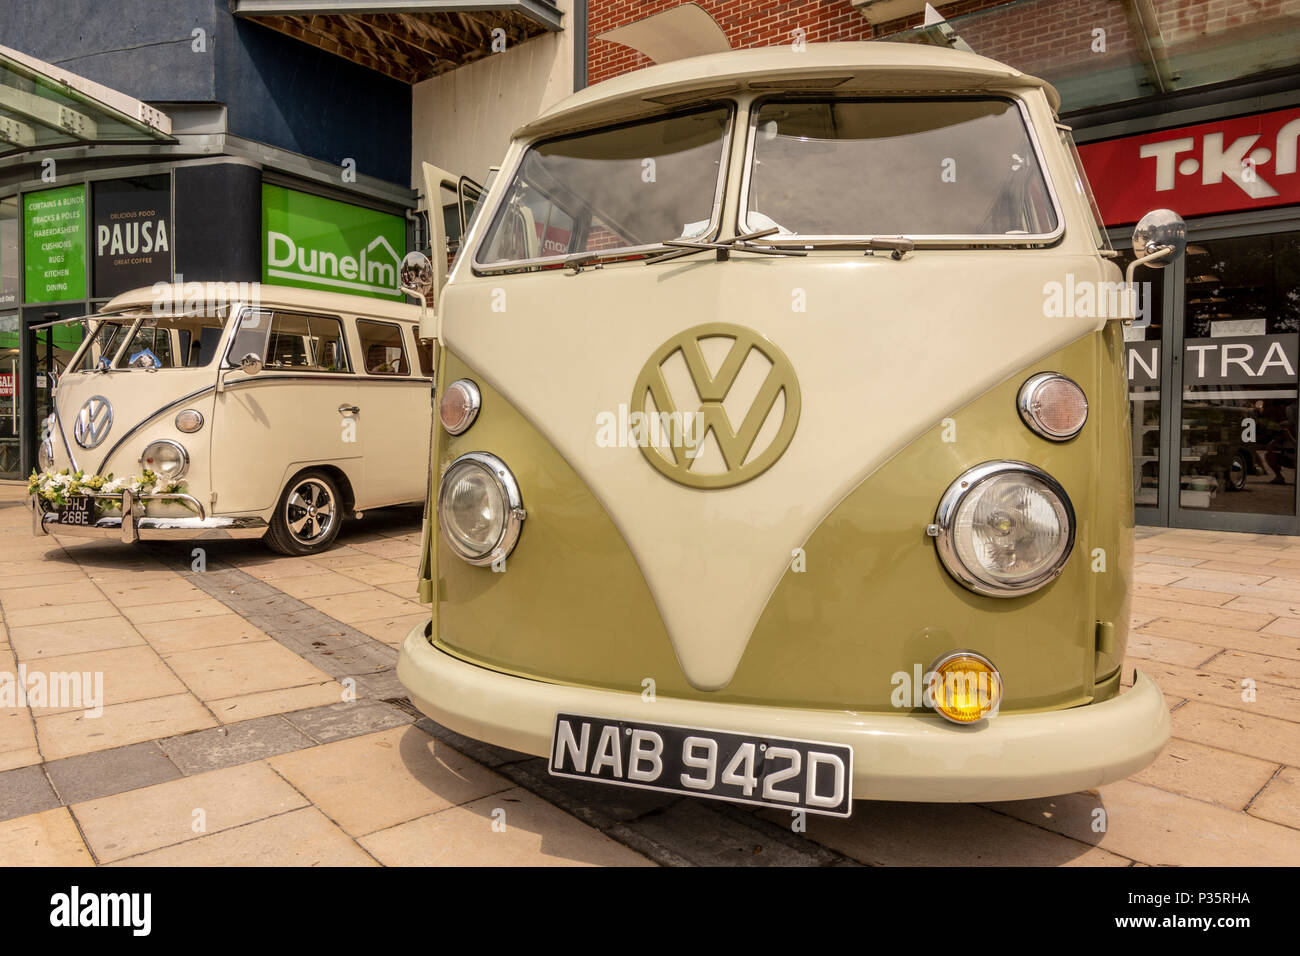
309	511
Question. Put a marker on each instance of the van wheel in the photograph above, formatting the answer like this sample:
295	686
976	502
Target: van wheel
1237	473
308	517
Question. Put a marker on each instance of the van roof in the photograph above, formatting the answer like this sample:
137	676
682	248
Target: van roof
269	295
863	67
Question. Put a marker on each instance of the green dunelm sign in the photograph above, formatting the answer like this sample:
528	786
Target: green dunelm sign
54	244
315	243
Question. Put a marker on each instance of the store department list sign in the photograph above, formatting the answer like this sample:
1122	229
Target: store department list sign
54	244
317	243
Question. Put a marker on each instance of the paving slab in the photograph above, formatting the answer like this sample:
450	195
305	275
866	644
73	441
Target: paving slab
1279	800
235	744
377	781
303	837
722	839
107	772
24	791
1154	826
339	721
185	809
49	838
511	828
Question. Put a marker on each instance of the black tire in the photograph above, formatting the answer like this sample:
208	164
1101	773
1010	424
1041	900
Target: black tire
308	515
1237	472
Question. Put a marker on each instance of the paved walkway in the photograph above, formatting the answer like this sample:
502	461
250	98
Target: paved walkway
250	715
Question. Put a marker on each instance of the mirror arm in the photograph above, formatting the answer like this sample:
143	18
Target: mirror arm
1130	296
425	329
1162	253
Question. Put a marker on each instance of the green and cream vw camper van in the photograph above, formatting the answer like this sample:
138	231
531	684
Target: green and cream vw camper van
769	468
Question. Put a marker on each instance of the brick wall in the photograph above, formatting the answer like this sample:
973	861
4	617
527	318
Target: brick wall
1052	37
747	23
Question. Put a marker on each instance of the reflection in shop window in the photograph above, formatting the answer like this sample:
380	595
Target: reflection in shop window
1143	356
1241	348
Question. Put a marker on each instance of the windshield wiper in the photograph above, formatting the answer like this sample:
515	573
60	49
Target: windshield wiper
898	247
580	260
724	247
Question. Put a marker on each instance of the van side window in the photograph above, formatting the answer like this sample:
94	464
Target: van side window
293	340
382	349
150	348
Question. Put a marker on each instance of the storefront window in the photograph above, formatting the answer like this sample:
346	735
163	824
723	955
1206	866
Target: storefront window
1240	351
1104	51
9	278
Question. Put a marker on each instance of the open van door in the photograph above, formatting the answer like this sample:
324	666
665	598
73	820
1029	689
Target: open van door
452	202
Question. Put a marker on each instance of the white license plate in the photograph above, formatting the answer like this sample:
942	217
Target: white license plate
721	765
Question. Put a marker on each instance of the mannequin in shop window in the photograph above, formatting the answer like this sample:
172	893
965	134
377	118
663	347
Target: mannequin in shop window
1281	451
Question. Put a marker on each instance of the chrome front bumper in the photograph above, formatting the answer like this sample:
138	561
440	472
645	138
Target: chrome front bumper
131	524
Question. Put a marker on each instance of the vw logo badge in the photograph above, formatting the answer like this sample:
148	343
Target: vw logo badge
93	422
741	459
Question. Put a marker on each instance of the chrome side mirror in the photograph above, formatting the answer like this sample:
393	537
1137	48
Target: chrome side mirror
251	363
1159	238
1159	230
417	275
418	279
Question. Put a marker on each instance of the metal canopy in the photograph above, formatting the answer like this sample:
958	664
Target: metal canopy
43	106
408	41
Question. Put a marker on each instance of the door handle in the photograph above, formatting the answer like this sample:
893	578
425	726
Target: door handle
348	409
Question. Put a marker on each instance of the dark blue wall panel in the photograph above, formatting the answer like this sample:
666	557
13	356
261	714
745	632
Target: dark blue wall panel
143	48
277	90
287	93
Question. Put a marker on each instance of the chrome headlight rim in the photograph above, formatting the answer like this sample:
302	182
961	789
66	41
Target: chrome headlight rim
1026	405
185	458
45	454
473	402
945	516
506	483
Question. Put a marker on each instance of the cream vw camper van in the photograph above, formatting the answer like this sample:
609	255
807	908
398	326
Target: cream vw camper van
248	411
768	468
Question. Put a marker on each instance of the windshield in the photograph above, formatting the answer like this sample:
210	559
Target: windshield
161	342
614	189
916	167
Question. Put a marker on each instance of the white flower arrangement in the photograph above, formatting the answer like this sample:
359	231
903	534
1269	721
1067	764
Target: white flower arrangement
56	487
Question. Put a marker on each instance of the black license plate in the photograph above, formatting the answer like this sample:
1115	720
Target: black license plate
743	768
78	510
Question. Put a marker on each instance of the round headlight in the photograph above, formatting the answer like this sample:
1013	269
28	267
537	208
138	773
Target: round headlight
480	511
1004	528
166	459
965	686
45	455
459	405
1053	406
189	421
